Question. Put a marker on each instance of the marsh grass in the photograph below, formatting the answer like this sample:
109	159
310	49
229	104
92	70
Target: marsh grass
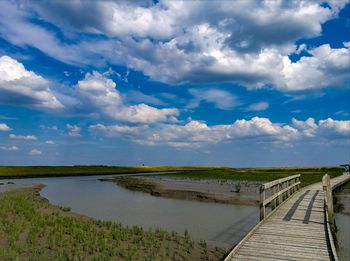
308	175
32	229
52	171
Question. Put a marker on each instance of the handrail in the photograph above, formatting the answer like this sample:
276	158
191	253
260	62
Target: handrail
329	212
275	182
281	189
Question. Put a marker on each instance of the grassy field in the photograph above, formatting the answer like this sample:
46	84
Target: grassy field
50	171
308	175
32	229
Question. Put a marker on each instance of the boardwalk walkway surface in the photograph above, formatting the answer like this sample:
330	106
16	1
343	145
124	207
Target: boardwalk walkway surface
295	231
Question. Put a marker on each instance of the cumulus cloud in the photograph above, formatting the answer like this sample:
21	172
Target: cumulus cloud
22	137
50	142
74	131
328	128
220	98
35	152
4	127
326	67
98	93
243	21
196	133
25	88
11	148
245	42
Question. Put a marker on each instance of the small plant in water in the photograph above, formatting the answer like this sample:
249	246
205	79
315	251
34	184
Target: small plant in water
238	187
65	209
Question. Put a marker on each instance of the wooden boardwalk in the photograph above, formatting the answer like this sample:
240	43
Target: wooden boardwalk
296	230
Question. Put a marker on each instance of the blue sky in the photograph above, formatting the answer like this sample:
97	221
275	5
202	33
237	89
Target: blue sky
234	83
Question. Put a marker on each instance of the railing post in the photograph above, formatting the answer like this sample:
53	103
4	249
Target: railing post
262	198
326	183
280	199
274	202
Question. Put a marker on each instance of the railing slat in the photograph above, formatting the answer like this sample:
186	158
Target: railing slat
269	199
277	181
281	190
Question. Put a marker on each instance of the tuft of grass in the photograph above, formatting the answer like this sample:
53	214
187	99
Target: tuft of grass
238	187
65	209
32	229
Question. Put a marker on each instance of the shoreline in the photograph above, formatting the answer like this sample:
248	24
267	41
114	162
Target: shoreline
225	192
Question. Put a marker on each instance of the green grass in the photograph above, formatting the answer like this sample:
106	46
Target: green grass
32	229
308	175
51	171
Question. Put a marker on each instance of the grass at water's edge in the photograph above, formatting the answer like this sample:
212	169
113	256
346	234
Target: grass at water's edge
308	175
32	229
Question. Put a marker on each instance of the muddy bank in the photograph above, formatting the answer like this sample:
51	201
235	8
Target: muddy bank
9	185
219	191
342	201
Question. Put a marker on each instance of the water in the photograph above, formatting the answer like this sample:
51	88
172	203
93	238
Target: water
343	236
220	224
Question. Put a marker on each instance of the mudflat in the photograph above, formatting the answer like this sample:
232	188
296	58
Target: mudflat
220	191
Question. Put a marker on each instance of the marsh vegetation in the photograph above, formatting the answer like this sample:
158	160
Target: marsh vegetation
309	175
57	171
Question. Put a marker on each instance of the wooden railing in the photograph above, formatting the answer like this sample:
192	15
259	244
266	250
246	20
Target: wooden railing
278	190
328	200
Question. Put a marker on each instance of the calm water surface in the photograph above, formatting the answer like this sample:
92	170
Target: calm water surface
343	236
221	224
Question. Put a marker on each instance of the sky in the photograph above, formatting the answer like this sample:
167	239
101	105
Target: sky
226	83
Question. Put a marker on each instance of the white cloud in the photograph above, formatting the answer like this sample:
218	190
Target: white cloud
35	152
308	127
326	67
25	88
22	137
4	127
260	106
53	127
49	142
342	113
328	129
198	134
246	42
74	131
118	130
98	93
242	20
11	148
137	96
220	98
